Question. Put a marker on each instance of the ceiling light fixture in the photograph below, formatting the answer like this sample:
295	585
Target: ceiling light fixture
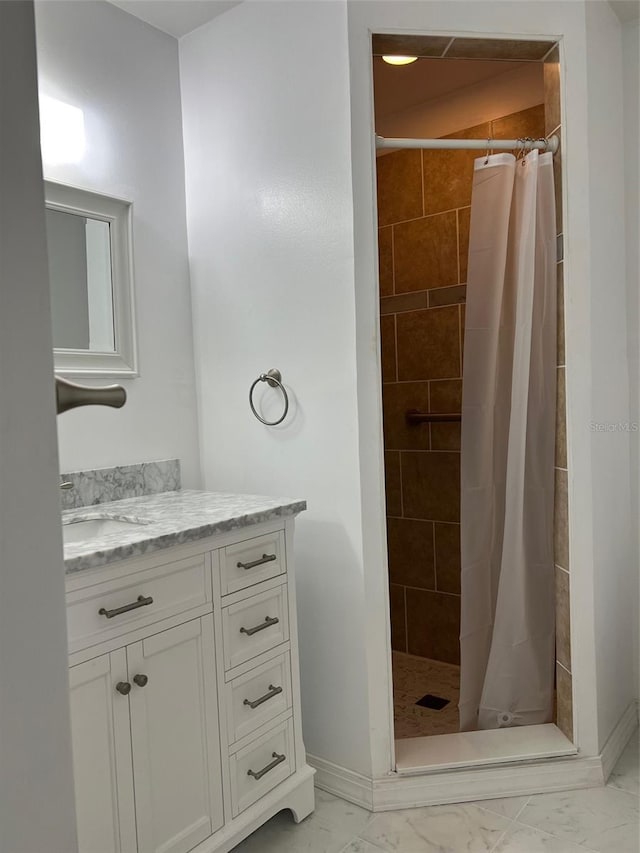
399	60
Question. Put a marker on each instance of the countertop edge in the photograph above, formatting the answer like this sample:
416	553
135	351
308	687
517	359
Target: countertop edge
99	558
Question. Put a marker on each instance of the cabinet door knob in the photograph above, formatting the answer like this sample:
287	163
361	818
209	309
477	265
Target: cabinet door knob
123	687
140	680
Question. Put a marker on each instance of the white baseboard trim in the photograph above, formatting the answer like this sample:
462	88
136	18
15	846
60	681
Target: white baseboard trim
479	783
618	739
342	782
486	783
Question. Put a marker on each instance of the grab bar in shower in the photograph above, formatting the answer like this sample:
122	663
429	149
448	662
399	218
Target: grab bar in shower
414	416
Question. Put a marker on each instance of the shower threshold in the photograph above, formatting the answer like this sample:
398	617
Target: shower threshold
482	748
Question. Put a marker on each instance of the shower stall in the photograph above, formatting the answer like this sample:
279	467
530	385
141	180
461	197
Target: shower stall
470	268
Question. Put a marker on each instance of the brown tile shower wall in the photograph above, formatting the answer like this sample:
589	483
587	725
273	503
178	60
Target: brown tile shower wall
423	216
564	714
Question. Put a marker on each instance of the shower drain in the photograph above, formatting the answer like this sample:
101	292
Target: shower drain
435	703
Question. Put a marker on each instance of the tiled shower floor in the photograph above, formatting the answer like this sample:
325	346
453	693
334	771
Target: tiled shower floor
413	677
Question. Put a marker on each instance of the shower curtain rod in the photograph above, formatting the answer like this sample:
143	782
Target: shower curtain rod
550	144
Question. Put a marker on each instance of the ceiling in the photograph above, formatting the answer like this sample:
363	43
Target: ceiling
179	17
399	88
626	10
176	17
460	48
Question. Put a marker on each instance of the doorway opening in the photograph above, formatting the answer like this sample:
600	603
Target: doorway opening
470	89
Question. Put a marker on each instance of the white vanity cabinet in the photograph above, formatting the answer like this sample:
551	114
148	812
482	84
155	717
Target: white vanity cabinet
102	764
185	706
152	706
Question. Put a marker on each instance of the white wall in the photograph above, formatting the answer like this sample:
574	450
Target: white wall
631	71
36	781
265	92
270	196
123	75
615	572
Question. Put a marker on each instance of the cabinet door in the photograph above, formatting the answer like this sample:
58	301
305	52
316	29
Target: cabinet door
175	738
101	743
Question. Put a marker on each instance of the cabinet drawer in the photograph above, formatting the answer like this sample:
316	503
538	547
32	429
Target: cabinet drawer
103	611
258	696
255	625
252	561
260	766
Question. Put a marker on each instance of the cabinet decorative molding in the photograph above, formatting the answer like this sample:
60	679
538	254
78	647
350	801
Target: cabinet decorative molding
185	695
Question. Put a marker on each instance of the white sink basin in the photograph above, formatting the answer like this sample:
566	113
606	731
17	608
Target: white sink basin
93	528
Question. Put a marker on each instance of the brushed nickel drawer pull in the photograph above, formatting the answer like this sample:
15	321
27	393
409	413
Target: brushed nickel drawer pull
266	558
277	759
273	691
268	622
141	601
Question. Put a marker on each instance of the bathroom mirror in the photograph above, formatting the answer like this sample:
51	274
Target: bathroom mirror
91	282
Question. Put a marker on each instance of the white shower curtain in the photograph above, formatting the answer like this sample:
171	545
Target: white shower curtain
508	443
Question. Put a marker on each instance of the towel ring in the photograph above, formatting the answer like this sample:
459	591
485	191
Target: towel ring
273	378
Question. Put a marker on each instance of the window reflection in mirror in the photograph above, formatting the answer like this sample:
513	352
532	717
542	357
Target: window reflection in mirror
80	280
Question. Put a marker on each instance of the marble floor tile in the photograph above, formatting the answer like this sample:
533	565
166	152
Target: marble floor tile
509	807
526	839
438	829
626	774
603	819
359	845
332	825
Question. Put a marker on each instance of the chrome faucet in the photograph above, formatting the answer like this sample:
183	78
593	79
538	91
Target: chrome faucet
69	395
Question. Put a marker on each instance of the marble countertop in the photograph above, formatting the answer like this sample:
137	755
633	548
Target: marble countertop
166	519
